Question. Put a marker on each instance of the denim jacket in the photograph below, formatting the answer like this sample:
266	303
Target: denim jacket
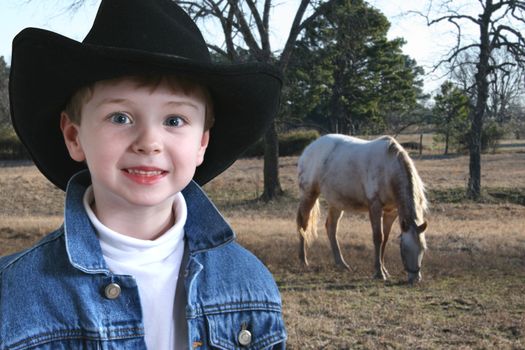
60	293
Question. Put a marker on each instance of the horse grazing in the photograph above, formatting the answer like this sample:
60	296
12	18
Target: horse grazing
376	176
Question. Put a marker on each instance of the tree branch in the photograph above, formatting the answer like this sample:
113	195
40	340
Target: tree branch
453	17
244	28
219	50
259	22
453	55
266	14
227	27
292	36
298	26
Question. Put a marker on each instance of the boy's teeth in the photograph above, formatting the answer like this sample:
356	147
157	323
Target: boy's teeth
144	172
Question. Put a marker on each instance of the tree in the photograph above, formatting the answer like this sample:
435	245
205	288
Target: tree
500	25
246	28
451	113
348	75
517	121
401	94
506	89
4	95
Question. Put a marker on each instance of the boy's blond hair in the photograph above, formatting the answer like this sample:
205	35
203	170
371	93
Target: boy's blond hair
176	83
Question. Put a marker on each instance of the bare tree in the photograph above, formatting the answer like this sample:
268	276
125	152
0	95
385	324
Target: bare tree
5	122
506	89
246	30
506	86
500	24
517	119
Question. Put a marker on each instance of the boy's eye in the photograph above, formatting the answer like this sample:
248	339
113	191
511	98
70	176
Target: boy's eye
174	121
120	118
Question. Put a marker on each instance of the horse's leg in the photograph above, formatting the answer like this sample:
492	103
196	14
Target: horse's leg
388	219
303	219
332	220
375	212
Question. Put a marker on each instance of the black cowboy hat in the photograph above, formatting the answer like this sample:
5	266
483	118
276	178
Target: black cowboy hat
132	37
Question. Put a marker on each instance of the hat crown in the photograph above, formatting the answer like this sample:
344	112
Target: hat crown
155	26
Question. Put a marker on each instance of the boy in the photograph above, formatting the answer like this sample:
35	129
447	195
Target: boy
123	123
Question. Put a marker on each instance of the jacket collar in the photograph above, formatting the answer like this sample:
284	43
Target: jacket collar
205	227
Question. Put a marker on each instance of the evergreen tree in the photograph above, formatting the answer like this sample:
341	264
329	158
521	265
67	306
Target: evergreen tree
346	74
451	113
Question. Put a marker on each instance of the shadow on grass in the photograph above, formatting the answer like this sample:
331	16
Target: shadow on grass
277	206
488	195
436	156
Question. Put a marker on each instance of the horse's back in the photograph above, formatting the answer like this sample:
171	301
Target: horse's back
344	166
313	159
324	146
322	158
337	149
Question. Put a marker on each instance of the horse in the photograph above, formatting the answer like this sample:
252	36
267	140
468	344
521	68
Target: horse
377	176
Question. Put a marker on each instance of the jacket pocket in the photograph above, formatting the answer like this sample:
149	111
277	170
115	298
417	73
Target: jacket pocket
79	344
246	330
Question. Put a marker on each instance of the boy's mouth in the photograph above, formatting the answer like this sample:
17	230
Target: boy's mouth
144	175
144	172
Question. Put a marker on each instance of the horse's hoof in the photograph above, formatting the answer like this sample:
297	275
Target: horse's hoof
414	279
343	266
380	276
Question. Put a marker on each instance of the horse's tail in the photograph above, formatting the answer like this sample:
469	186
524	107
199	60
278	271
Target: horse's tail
307	216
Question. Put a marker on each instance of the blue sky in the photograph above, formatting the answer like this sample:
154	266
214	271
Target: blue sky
16	15
424	44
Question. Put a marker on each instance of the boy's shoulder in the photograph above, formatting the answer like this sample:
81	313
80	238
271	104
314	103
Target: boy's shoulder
244	258
235	269
24	260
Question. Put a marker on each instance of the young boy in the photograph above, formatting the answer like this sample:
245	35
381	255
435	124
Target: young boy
123	123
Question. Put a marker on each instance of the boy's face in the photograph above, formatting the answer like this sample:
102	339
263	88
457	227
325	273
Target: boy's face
141	144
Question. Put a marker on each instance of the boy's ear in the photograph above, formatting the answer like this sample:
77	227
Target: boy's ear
204	144
70	133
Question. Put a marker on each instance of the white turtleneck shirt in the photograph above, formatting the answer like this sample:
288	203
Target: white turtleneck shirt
155	266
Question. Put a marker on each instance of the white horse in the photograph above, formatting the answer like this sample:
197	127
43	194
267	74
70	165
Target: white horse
376	176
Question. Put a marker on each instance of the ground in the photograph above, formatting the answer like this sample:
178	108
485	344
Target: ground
471	296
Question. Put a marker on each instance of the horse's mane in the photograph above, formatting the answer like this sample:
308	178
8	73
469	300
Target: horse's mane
417	201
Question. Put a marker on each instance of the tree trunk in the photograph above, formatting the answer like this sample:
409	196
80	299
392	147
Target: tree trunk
482	87
447	137
336	107
272	186
474	181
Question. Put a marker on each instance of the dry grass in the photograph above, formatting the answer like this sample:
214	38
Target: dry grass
474	271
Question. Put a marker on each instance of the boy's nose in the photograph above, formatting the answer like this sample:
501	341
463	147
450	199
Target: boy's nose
147	143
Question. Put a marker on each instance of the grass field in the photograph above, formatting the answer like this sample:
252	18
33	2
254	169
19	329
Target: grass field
472	293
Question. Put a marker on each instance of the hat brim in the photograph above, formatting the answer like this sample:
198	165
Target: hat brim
47	68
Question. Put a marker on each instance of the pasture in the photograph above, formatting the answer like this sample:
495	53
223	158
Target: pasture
472	293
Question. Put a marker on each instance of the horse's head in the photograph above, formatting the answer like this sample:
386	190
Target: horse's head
412	249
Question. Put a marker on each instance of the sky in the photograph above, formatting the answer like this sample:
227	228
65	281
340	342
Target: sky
425	44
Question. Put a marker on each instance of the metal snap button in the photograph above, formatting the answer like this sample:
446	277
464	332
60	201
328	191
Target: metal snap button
245	337
112	291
